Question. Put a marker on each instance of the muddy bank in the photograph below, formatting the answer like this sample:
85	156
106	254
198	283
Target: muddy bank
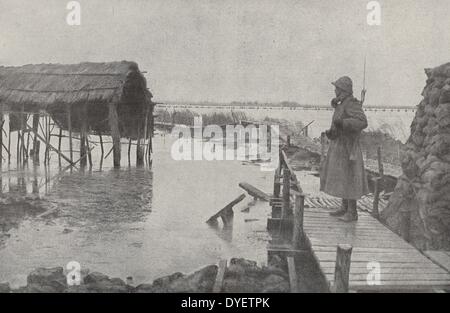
241	276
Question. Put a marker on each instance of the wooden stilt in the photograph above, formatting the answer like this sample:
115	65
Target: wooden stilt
59	145
129	152
101	143
69	123
145	134
83	131
89	151
36	143
115	133
139	150
1	139
9	140
102	150
51	147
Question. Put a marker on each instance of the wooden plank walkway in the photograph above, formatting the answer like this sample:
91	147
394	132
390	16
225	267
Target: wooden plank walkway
401	266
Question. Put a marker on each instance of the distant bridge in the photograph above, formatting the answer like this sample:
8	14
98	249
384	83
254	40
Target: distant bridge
169	105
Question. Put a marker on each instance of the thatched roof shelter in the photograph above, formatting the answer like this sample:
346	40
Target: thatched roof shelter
56	87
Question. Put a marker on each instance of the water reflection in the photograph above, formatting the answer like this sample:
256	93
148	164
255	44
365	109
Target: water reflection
104	199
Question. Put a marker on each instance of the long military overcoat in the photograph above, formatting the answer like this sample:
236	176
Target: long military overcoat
342	174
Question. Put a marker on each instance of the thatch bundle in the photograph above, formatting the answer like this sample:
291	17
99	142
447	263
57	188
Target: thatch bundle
424	187
56	87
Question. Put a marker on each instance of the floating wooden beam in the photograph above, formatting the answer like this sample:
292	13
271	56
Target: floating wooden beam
226	210
254	192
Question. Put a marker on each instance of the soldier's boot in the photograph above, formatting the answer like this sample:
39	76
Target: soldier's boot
342	210
352	214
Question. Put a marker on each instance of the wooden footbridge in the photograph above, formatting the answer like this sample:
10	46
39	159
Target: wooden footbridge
359	256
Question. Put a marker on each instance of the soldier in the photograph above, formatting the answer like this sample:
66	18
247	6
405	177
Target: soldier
343	174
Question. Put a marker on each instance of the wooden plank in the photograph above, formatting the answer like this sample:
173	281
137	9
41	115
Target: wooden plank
329	269
358	265
293	281
229	206
358	243
392	276
368	249
220	275
399	257
254	192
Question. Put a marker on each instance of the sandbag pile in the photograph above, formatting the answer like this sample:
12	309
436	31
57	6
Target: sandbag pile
424	187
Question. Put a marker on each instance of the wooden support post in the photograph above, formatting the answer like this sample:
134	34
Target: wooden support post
220	276
101	144
1	139
129	152
342	268
36	143
376	197
69	123
380	162
298	236
286	192
152	130
89	151
305	132
276	183
405	224
288	140
83	134
9	139
145	134
139	150
51	147
59	146
115	133
293	280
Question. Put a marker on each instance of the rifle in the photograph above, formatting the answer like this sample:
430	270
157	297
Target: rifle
363	91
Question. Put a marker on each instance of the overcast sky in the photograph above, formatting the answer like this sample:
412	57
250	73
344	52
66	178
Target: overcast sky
255	50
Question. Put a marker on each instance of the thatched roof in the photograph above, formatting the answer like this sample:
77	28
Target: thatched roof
41	86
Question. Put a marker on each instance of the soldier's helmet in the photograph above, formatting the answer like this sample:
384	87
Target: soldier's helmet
345	83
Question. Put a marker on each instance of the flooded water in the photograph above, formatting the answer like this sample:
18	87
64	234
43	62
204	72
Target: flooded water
140	222
394	122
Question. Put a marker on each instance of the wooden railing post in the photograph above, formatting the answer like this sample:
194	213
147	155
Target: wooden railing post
298	236
342	268
1	138
376	197
405	224
380	162
286	191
